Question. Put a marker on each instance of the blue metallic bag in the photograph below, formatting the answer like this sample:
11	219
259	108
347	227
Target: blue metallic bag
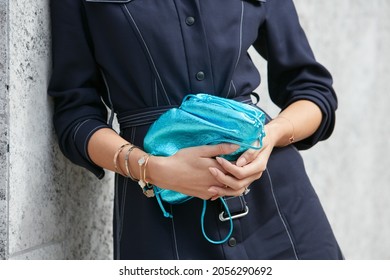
203	119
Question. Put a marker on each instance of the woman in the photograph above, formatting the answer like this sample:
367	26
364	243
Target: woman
140	58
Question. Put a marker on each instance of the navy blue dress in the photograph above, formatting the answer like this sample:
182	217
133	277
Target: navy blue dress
139	58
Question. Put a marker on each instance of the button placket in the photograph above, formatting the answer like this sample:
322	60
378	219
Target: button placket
196	45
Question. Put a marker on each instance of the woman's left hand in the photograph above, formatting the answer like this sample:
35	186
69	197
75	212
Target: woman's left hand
248	168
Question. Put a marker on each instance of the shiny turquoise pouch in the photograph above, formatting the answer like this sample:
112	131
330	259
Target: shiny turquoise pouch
203	119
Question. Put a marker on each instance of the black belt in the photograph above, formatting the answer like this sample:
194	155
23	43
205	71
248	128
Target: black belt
148	115
142	117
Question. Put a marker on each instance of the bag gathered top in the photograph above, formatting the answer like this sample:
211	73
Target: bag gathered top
203	119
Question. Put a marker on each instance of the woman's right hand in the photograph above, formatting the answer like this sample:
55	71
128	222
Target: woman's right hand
187	171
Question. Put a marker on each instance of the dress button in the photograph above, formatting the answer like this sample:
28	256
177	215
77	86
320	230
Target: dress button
190	21
232	242
200	76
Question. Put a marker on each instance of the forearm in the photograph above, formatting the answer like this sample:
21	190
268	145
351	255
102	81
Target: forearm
298	121
102	147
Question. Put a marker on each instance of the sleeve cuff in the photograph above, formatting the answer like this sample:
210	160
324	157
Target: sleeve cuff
81	135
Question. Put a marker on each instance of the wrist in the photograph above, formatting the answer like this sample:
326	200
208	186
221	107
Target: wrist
155	167
281	131
160	172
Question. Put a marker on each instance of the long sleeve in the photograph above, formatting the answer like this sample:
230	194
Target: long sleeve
75	84
293	72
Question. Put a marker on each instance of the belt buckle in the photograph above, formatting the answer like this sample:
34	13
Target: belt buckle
237	215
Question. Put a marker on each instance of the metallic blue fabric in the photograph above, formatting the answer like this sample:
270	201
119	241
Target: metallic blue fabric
204	119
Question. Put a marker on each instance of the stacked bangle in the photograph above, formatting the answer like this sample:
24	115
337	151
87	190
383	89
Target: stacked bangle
127	165
117	168
147	189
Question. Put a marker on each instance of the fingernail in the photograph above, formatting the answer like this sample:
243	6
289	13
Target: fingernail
220	160
213	171
241	162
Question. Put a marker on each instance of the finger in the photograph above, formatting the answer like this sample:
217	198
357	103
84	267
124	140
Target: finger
257	166
210	151
213	194
249	155
227	180
225	192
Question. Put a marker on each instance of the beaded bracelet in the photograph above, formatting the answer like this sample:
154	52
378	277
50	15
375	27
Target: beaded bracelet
117	169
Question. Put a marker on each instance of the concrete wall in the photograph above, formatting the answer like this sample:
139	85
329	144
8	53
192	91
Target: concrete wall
350	170
53	210
3	127
50	209
353	39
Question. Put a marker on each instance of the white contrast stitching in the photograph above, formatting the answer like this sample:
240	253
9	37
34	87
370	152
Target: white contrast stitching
174	233
280	215
147	49
240	47
241	23
117	214
235	89
77	128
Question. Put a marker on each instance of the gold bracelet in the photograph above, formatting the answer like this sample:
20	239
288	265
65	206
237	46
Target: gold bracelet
128	169
145	165
118	170
146	188
292	138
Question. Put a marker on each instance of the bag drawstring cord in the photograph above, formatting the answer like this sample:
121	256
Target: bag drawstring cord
230	221
158	197
169	215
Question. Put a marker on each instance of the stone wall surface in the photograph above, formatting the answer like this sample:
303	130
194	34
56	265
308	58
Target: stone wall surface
349	170
51	209
3	128
55	210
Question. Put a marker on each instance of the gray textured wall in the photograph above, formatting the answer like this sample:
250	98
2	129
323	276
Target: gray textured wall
3	127
350	170
50	209
55	210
